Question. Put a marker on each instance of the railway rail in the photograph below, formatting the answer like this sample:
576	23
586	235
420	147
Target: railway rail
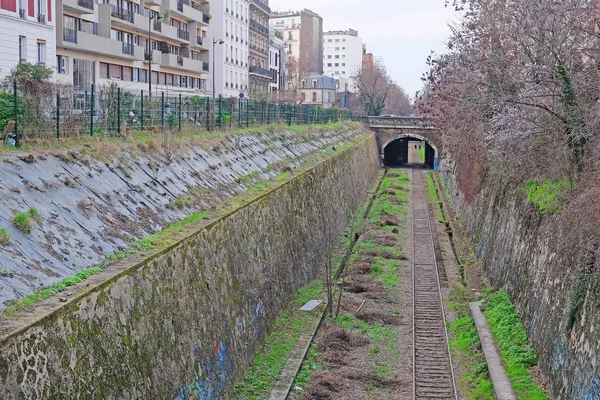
433	374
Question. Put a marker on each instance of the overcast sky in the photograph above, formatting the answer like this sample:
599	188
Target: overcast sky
403	32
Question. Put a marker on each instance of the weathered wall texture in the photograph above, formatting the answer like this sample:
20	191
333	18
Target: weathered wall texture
91	206
516	255
186	322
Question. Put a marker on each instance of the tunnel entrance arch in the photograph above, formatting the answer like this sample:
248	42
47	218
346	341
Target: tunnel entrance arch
396	151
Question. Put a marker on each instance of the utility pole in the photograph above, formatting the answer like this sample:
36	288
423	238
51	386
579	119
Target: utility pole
158	17
215	42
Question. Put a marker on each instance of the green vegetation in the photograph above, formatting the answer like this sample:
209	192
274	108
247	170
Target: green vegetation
57	287
4	237
422	152
433	198
6	273
546	195
511	338
34	213
260	379
22	221
465	345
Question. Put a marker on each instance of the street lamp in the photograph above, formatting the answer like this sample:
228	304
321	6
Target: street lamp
158	17
215	41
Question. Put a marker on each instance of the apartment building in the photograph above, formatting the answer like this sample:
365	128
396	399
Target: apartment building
230	37
342	57
367	60
260	75
277	64
157	45
303	36
27	29
317	89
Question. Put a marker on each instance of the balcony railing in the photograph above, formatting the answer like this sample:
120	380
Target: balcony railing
259	27
179	6
199	40
181	34
147	55
205	19
89	4
69	35
121	13
205	66
127	48
41	18
22	14
260	71
180	60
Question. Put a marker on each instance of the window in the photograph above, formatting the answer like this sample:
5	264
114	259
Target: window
337	40
136	75
343	48
337	56
314	83
290	37
337	64
303	96
83	74
329	56
343	40
337	48
22	48
343	64
41	52
329	64
314	97
329	40
343	72
303	84
61	64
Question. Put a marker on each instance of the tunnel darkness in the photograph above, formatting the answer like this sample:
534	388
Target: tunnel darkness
396	153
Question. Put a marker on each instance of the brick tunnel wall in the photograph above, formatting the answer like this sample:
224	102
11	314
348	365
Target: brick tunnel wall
187	321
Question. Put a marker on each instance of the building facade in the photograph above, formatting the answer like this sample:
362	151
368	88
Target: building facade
317	89
231	56
367	60
342	57
303	36
157	46
277	65
27	30
260	75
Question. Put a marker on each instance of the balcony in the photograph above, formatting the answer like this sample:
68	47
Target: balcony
78	7
155	57
256	70
259	27
41	18
87	4
93	44
184	35
180	62
205	19
205	66
262	6
22	13
121	13
111	15
199	40
183	9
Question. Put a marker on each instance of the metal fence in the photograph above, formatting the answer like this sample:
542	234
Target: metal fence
60	112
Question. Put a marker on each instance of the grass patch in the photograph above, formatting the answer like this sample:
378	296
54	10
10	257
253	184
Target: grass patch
511	338
6	273
4	237
546	195
57	287
260	379
34	213
432	196
22	221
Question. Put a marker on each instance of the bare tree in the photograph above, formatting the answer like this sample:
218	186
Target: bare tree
373	88
397	101
296	70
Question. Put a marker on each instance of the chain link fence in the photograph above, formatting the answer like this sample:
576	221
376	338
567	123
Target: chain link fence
56	111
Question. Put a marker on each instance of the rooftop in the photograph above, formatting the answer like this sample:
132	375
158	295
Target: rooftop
349	32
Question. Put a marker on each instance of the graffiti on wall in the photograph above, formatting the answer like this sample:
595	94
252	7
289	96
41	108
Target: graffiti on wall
210	377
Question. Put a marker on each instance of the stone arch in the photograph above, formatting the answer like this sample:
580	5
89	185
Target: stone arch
394	149
411	136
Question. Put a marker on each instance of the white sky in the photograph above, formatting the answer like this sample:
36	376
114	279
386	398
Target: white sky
403	32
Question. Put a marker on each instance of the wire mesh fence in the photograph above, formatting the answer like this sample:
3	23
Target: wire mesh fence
57	111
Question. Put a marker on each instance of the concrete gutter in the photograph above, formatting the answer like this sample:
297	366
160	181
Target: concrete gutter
502	387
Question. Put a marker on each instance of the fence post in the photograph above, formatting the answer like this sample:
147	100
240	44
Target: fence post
162	112
179	112
119	111
16	111
57	114
240	112
142	113
92	113
208	113
220	105
247	113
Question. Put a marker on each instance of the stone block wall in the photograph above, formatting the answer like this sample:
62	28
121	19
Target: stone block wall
186	322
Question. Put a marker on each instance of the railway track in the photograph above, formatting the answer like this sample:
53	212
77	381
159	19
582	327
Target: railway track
433	375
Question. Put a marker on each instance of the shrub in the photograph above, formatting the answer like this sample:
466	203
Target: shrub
4	237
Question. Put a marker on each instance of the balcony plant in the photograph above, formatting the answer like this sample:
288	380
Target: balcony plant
209	16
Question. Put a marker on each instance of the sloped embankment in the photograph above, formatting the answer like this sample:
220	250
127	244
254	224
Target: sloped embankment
92	200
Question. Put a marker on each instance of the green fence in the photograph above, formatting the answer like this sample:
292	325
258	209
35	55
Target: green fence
59	112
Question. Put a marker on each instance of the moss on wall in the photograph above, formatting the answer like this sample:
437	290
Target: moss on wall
186	322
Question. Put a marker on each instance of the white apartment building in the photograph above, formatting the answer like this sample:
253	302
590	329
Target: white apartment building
342	57
157	45
277	61
27	32
230	25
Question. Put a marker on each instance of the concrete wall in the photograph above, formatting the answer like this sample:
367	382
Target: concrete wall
186	322
515	254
